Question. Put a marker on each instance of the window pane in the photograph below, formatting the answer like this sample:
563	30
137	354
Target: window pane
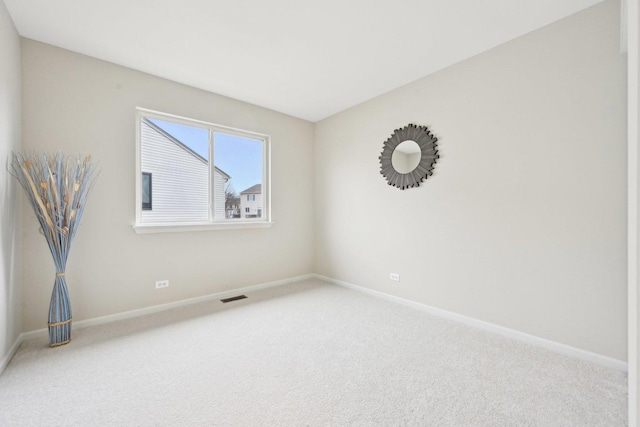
199	172
177	156
238	160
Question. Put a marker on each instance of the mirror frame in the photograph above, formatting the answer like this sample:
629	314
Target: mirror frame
429	154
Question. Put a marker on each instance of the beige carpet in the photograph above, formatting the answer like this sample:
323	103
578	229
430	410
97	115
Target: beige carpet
310	353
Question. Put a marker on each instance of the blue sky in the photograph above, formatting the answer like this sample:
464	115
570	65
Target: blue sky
238	156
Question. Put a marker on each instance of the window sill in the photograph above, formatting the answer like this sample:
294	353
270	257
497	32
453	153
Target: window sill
184	227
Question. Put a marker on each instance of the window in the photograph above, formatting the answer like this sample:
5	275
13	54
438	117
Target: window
147	189
200	173
247	210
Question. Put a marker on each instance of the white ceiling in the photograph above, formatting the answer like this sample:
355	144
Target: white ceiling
306	58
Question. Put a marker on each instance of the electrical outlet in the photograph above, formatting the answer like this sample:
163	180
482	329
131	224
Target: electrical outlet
162	284
395	277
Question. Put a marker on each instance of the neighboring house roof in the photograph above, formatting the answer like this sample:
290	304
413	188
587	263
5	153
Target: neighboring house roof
182	145
256	189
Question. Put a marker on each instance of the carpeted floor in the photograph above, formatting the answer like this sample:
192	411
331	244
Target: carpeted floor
310	353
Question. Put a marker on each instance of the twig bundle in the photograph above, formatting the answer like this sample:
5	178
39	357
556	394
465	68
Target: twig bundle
57	187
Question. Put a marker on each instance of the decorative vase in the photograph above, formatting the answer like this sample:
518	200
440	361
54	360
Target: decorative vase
57	187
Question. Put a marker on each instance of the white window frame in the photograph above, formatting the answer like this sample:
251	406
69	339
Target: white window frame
212	224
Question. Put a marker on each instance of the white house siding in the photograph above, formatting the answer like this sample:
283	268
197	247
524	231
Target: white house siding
179	181
219	199
253	205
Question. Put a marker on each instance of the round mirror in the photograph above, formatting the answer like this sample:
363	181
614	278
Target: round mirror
406	156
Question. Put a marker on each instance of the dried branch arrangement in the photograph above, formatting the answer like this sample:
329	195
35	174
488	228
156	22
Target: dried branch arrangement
57	187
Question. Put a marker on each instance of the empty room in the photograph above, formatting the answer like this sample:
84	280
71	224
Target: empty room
250	213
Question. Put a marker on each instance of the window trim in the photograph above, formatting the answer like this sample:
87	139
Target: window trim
212	224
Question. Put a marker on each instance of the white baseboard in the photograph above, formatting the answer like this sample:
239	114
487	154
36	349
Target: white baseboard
7	357
38	333
605	361
557	347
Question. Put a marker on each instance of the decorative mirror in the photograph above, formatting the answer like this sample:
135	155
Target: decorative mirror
408	156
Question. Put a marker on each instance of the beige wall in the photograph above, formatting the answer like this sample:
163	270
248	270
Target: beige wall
78	104
10	298
524	222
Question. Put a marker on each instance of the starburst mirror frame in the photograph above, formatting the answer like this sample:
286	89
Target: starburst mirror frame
428	156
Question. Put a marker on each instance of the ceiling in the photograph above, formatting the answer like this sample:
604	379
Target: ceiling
306	58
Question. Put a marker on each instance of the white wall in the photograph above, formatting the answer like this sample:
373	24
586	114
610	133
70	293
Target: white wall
523	223
10	94
78	104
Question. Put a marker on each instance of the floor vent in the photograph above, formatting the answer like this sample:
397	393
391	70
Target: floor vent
233	298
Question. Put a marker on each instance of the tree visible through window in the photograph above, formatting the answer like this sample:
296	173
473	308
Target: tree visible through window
196	168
